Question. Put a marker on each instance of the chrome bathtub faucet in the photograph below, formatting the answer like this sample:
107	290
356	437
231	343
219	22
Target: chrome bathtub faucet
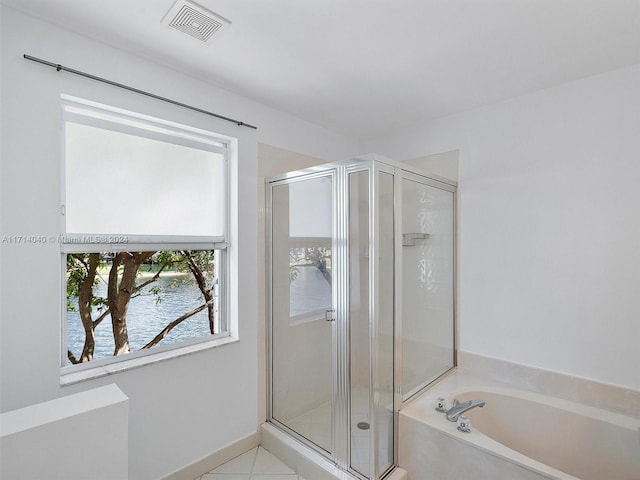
458	408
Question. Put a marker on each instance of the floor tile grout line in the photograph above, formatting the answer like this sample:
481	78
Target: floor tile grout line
266	475
255	458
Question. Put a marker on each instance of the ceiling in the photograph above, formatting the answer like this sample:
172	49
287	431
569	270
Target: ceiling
360	67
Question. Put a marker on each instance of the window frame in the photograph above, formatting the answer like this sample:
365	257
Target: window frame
86	112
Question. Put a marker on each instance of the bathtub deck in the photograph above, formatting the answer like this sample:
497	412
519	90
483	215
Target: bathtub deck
431	447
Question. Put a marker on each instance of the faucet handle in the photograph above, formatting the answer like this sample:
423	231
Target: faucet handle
441	406
464	425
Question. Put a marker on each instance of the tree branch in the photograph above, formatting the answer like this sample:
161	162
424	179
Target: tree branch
202	285
102	316
151	280
85	300
72	358
165	331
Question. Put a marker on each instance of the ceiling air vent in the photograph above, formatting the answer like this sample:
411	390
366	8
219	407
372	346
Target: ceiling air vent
194	20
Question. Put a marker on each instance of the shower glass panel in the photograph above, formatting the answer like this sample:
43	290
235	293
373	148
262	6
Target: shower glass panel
427	284
383	339
359	338
371	320
301	340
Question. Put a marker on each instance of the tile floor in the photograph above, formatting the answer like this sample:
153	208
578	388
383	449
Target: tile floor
256	464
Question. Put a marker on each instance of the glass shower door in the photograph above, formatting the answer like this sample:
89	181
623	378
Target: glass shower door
302	307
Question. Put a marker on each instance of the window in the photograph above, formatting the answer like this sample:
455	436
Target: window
144	244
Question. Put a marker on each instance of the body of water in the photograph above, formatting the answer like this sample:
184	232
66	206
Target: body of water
146	317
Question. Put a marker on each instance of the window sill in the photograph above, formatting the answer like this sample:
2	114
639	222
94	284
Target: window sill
68	377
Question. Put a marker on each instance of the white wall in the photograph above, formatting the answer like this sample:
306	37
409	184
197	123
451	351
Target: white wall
444	164
549	222
183	409
59	437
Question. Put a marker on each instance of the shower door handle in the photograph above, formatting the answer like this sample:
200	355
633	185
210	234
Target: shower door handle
330	315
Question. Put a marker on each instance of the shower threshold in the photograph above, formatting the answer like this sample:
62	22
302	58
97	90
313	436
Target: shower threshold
304	460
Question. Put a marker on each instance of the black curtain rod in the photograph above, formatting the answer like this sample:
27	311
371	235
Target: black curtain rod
59	68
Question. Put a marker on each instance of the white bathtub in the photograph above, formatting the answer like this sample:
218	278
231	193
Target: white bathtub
517	435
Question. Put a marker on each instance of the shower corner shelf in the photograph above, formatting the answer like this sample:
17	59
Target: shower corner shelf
409	239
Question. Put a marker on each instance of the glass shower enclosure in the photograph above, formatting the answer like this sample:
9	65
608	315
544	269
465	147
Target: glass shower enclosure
360	303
